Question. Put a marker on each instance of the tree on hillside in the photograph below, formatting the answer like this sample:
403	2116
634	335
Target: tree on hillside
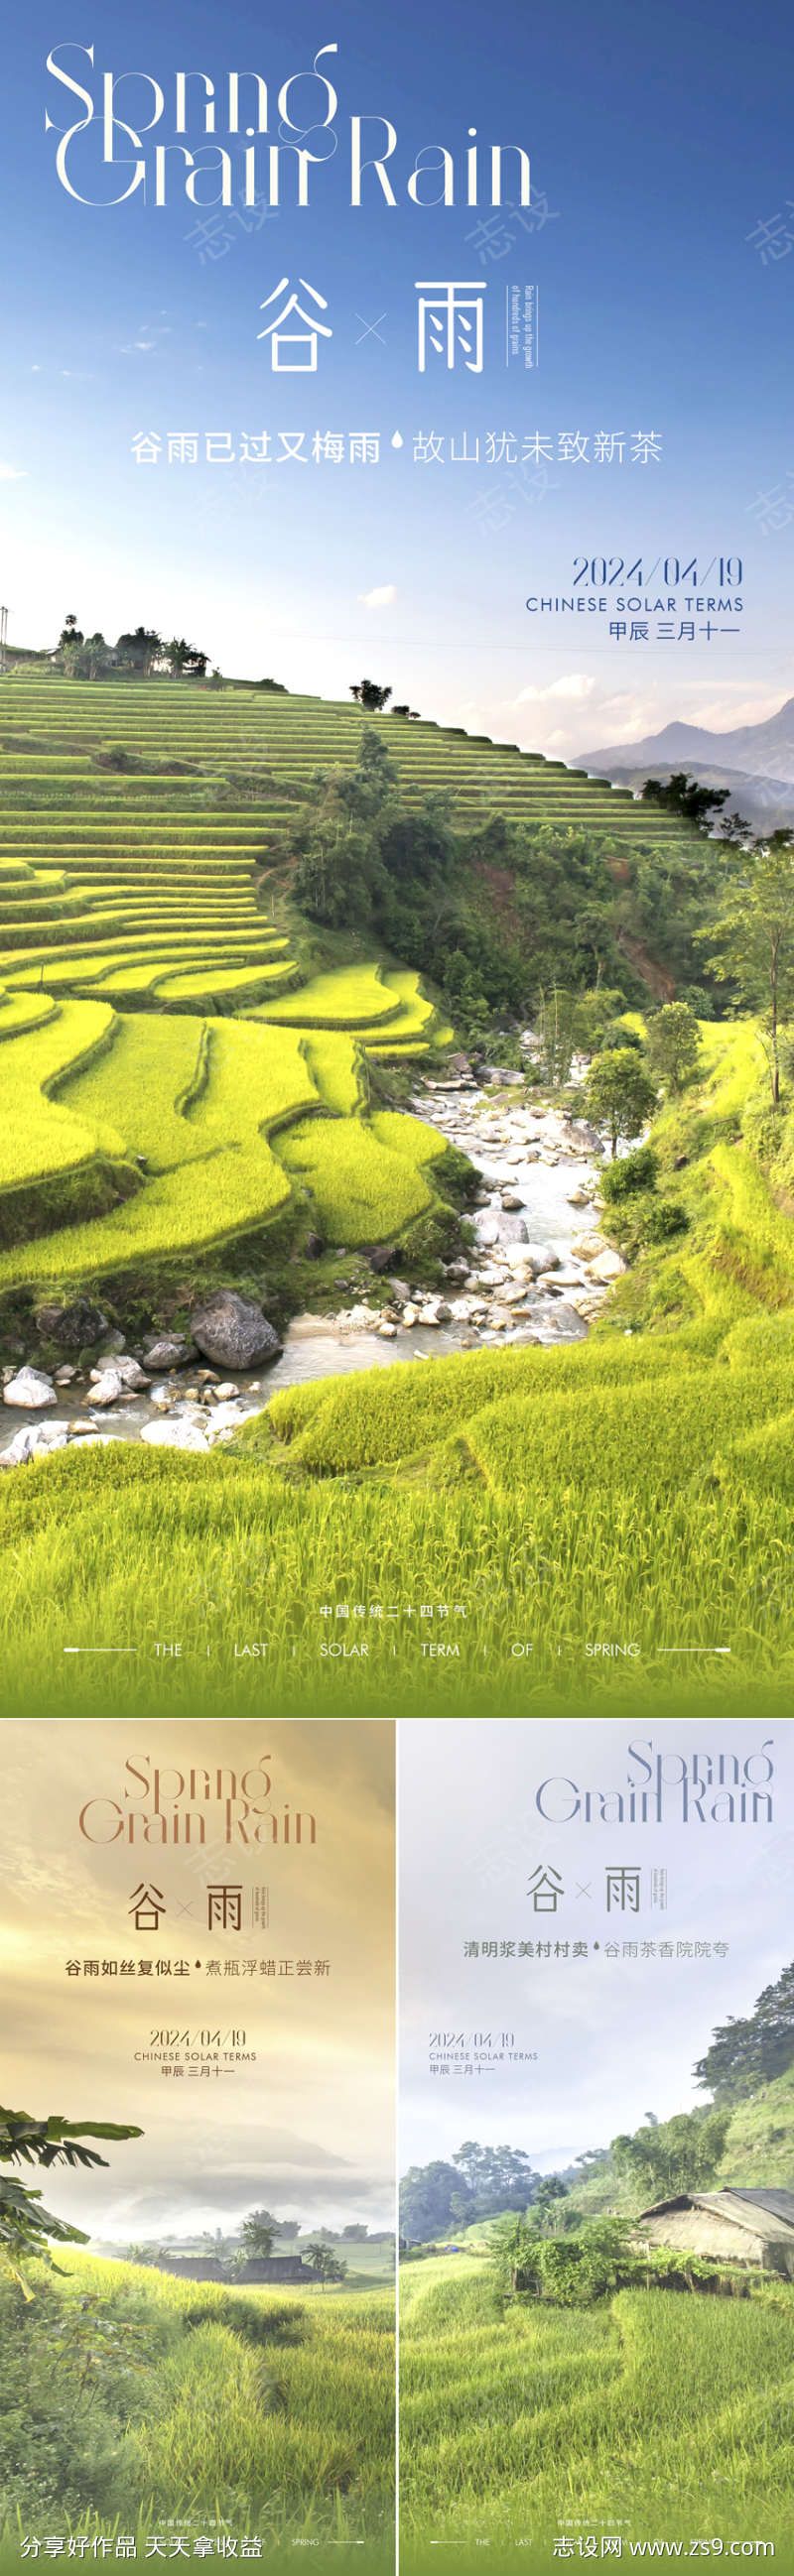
432	2198
95	657
673	1045
323	2263
186	661
678	2155
256	2235
497	2177
556	1023
370	695
550	2190
744	2054
138	649
366	791
26	2227
682	795
620	1095
752	939
70	642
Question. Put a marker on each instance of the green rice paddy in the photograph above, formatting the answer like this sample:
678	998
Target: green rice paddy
650	2417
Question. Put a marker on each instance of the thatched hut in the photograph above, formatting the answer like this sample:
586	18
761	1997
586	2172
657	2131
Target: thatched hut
273	2268
750	2227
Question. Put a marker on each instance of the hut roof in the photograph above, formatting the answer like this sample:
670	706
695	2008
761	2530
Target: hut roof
768	2214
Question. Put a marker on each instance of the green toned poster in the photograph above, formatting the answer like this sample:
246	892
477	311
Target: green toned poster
396	1268
596	2096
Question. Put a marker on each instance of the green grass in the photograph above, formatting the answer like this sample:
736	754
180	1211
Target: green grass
333	1059
653	2414
361	1188
348	997
143	1088
41	1136
265	2412
20	1011
197	1102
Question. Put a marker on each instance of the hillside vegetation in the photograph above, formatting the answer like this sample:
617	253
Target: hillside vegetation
131	2399
193	1085
656	2416
150	840
634	1487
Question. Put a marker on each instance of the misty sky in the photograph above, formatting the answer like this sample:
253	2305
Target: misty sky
614	2038
662	253
308	2130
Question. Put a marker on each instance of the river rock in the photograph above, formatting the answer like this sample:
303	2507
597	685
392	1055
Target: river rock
74	1326
31	1389
107	1388
499	1319
608	1266
225	1392
558	1282
585	1136
176	1434
173	1350
80	1428
227	1418
512	1199
233	1332
521	1256
489	1231
588	1246
64	1376
382	1258
387	1332
129	1372
34	1440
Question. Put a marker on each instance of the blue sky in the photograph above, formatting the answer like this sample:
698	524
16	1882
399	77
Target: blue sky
612	2037
657	145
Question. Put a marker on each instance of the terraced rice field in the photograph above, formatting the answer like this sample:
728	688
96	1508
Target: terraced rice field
182	1110
651	2416
136	826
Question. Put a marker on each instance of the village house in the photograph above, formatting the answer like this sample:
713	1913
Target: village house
752	2227
272	2268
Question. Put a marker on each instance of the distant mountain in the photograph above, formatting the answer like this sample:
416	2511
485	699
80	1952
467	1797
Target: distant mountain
760	750
754	762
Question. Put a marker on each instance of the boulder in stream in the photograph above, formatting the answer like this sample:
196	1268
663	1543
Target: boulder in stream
233	1332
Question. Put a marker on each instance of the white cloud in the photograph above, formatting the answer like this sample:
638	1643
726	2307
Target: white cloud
129	347
575	685
12	474
383	598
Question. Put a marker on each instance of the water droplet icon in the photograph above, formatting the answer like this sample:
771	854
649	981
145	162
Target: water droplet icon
397	441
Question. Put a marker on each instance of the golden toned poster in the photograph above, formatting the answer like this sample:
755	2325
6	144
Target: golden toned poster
197	2204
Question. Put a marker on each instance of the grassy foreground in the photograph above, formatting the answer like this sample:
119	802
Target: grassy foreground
652	2416
547	1503
169	2404
492	1519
